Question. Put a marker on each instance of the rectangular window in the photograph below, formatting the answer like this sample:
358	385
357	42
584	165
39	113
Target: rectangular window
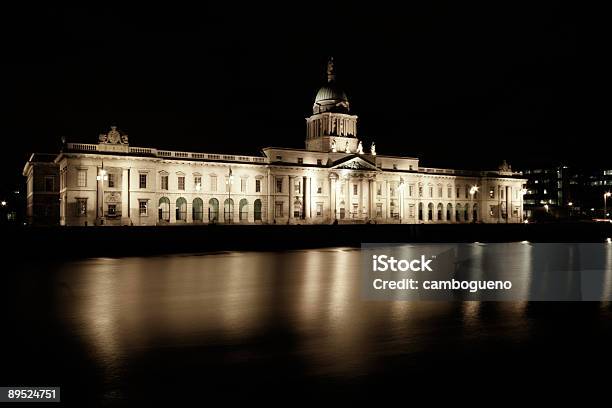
111	180
49	183
319	162
319	209
243	185
82	178
112	210
394	166
279	185
278	209
213	183
258	186
181	182
411	211
410	190
298	187
355	188
392	189
143	181
300	160
379	210
197	183
81	207
142	207
458	192
449	193
501	193
164	182
440	191
430	191
319	187
420	191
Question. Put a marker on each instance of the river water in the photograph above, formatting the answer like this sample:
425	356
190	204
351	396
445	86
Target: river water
246	325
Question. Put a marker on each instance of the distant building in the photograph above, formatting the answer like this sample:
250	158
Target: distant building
566	192
42	189
334	179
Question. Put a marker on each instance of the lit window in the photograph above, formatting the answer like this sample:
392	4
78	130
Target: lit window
82	178
142	207
491	193
112	210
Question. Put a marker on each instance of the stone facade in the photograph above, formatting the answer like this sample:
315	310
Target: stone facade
332	180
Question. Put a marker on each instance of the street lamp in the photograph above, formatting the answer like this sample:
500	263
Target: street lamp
473	190
101	177
3	203
229	182
605	196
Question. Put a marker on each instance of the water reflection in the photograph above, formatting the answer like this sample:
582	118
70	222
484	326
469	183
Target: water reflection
122	308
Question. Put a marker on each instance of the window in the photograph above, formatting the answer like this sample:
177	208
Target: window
143	181
440	191
81	207
355	187
243	185
279	185
449	192
431	191
181	182
319	209
112	210
410	190
197	183
279	158
82	178
394	166
257	209
411	211
319	162
243	214
49	183
111	180
467	190
300	160
164	182
197	210
213	183
319	187
501	192
420	191
278	209
298	188
378	210
491	193
378	189
458	191
181	209
142	207
258	186
163	211
213	210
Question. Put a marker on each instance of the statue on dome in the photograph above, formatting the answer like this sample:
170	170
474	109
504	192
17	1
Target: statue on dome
360	148
346	148
373	149
333	145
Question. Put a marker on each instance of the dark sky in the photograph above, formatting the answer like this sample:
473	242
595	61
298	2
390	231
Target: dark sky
456	84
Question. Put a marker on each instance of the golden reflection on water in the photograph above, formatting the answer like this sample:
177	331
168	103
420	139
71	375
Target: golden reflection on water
122	307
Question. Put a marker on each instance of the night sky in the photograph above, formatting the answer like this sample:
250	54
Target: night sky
457	85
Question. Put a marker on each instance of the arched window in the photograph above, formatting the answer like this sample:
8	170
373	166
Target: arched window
243	205
213	210
163	210
228	210
257	210
197	210
430	209
458	213
475	213
449	211
440	209
181	209
466	209
420	211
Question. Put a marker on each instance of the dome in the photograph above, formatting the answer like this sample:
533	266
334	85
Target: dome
330	97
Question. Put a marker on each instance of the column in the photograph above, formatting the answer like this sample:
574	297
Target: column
361	197
125	220
372	198
508	203
307	196
347	198
332	198
388	197
291	195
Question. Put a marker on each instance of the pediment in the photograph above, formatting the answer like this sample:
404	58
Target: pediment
356	163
